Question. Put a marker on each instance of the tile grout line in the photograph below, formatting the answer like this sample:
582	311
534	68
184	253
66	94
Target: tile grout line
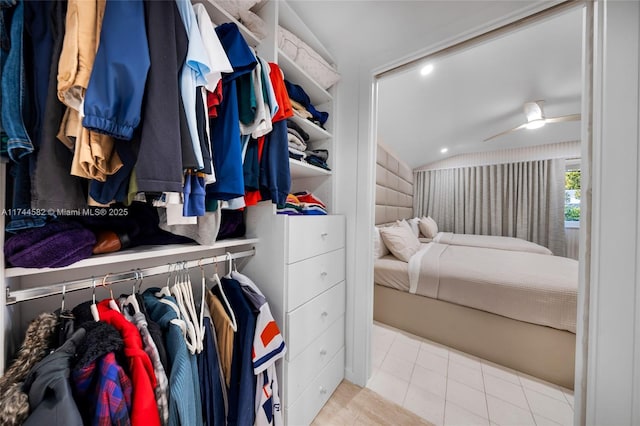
526	398
413	368
446	389
486	399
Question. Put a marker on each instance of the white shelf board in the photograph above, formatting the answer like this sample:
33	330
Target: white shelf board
134	254
296	75
315	132
220	16
300	169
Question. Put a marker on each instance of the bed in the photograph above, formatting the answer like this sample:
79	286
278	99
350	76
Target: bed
426	229
515	308
540	350
488	241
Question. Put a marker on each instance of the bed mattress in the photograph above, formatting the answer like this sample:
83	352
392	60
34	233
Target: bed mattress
535	288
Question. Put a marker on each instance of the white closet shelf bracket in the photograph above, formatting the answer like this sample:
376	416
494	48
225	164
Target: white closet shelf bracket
17	296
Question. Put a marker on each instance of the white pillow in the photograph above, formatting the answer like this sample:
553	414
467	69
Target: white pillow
403	223
434	225
379	248
401	241
428	227
413	223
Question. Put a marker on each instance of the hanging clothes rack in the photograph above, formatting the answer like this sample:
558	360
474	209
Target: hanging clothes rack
17	296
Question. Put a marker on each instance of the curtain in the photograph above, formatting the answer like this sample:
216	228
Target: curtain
524	200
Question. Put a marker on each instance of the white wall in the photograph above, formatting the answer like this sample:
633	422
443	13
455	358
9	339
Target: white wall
613	362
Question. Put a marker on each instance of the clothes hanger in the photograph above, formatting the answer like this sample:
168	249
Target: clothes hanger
130	303
64	290
166	291
112	302
216	281
202	301
94	307
139	283
229	265
132	300
63	313
177	292
187	291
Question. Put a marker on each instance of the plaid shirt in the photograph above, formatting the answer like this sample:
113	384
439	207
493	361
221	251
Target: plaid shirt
162	389
104	392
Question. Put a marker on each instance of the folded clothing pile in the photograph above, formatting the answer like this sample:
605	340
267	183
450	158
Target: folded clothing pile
303	203
53	245
302	106
298	139
317	157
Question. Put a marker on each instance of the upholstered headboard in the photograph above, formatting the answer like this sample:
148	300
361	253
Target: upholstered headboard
394	188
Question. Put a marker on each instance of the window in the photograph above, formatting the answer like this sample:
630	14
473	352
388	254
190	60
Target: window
572	197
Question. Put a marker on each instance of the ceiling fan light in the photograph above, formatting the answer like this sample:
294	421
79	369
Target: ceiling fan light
535	124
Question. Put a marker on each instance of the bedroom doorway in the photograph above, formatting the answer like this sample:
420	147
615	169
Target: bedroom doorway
480	112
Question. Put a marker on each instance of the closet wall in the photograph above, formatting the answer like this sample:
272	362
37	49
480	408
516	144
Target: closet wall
15	317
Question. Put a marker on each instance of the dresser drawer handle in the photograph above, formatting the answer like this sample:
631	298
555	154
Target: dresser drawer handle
323	391
324	235
323	274
323	352
324	314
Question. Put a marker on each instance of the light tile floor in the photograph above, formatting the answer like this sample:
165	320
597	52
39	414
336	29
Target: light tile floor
448	387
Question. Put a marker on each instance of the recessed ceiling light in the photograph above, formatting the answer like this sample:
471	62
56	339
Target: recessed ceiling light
443	150
426	70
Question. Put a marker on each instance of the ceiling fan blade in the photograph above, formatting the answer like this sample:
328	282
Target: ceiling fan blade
562	118
522	126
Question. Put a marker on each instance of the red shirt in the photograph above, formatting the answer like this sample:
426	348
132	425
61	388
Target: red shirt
144	410
285	110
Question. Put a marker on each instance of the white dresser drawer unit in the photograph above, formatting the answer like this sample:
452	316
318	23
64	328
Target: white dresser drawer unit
310	277
309	320
301	370
301	262
317	393
313	235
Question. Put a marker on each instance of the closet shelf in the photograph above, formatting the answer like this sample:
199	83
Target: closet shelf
220	16
136	275
137	254
315	132
296	75
300	169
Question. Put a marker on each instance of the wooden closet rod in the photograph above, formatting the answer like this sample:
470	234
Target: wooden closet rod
87	283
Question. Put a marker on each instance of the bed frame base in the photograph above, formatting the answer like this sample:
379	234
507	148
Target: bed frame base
540	351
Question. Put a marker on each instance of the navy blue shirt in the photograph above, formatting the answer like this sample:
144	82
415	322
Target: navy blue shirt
242	385
226	141
213	410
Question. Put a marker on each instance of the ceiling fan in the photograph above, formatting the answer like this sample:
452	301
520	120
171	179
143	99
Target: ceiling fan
536	119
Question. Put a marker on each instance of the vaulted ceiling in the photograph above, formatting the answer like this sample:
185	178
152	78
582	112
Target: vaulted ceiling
470	95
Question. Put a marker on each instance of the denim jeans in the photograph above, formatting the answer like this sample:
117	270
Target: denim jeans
13	80
21	200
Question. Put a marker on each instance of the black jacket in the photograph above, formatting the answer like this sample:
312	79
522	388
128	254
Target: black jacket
50	399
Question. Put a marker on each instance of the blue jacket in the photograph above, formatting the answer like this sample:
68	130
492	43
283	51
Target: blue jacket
113	100
184	389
